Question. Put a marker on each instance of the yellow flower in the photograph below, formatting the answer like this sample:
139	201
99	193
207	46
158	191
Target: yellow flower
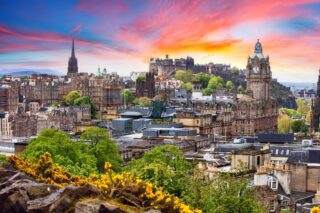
107	166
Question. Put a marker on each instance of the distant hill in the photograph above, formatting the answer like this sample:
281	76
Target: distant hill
21	72
300	85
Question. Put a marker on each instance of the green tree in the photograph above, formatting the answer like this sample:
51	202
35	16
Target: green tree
144	101
71	96
303	106
215	82
222	193
102	148
207	91
186	86
229	85
85	100
240	89
164	166
298	126
284	123
204	78
2	158
141	78
127	95
80	158
64	151
235	70
184	76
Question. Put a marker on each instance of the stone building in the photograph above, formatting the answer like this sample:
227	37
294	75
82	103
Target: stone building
146	88
9	96
316	109
256	111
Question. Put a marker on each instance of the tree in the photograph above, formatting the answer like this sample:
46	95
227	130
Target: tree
207	91
102	148
164	166
144	102
85	100
284	123
80	158
235	70
2	158
64	151
186	86
204	78
127	95
222	193
298	126
303	106
71	96
141	78
229	85
240	89
215	82
184	76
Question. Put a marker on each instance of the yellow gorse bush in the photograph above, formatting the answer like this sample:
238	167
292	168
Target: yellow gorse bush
112	185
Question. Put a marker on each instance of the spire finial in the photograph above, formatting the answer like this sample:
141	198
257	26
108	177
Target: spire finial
72	52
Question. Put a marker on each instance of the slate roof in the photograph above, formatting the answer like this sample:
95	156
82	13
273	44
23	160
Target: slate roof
304	156
275	137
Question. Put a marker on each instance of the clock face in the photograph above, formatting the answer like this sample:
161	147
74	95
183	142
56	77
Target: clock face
255	69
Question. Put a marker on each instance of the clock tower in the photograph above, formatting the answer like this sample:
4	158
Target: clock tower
258	74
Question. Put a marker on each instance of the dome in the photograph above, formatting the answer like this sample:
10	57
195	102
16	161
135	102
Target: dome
258	50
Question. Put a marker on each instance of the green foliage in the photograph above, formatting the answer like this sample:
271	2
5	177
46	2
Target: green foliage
235	70
229	85
184	76
70	97
2	158
215	82
79	158
291	112
164	166
240	89
144	101
222	193
204	78
141	78
284	123
186	86
104	149
55	104
298	126
303	106
85	100
127	95
207	91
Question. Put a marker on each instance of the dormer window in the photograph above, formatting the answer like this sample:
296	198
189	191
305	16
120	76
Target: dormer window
273	183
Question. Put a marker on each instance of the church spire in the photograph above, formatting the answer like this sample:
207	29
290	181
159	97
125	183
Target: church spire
72	52
73	62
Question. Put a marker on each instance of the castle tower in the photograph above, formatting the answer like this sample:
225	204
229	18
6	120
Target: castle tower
258	74
73	62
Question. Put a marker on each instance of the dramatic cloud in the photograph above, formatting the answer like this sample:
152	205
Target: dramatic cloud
122	34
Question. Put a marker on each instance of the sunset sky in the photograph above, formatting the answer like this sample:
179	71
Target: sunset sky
122	35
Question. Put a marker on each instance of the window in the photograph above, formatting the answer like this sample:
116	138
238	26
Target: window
258	160
284	204
272	206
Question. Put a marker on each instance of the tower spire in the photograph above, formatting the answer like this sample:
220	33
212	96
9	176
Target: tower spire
72	52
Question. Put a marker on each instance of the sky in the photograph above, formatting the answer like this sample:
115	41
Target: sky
122	35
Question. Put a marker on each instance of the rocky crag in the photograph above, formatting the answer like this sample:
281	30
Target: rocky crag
21	193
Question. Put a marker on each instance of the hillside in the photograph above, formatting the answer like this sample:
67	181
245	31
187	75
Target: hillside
283	95
22	72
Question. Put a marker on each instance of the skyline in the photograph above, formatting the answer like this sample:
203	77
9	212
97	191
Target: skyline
122	35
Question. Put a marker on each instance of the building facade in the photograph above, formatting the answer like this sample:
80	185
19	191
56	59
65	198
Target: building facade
256	111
